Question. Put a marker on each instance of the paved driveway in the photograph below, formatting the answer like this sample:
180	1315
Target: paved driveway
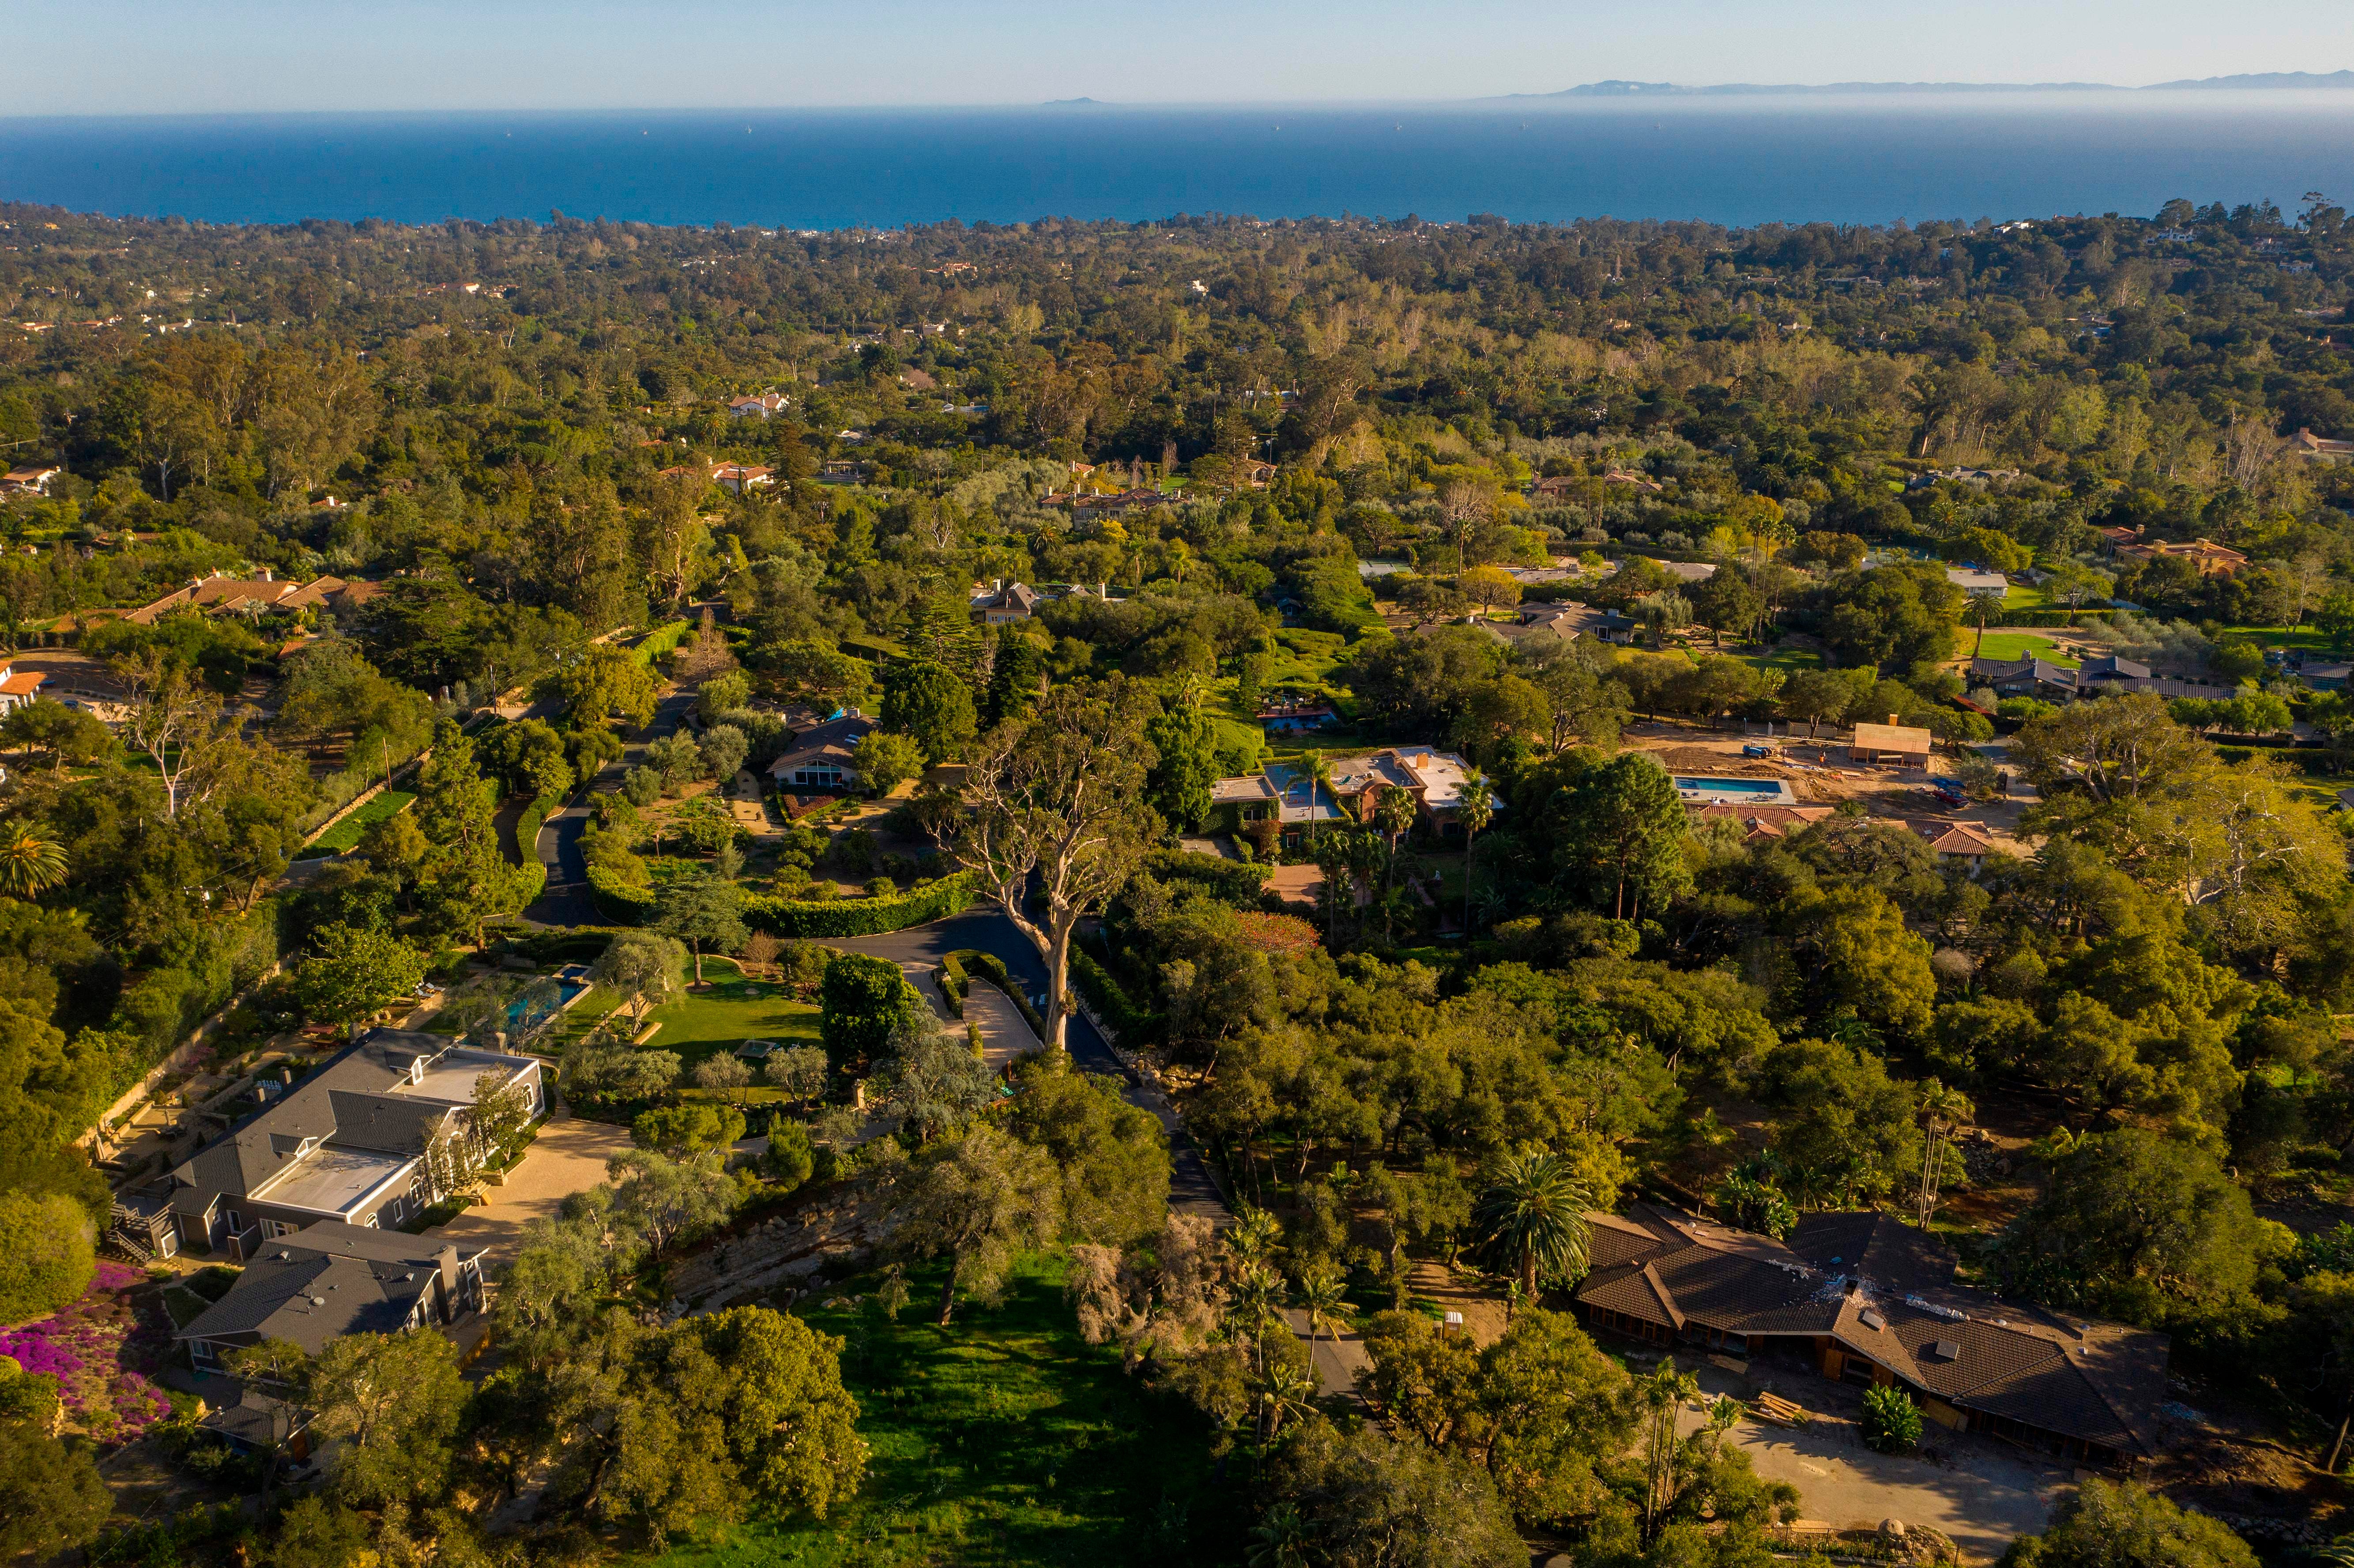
568	1157
1190	1189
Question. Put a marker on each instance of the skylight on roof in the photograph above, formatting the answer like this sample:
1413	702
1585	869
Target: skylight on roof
1871	1319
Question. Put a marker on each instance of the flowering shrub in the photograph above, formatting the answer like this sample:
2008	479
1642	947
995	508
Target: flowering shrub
1277	933
88	1349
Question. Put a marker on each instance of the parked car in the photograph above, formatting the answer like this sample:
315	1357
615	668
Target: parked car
1757	750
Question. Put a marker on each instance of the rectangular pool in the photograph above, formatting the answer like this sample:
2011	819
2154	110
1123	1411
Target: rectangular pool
1738	792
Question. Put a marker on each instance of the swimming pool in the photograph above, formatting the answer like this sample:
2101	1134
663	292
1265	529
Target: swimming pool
1743	791
522	1016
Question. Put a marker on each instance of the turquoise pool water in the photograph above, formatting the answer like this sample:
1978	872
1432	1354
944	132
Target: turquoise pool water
1732	786
523	1015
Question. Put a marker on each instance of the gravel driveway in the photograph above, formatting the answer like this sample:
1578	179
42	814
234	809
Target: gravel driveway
1978	1491
568	1157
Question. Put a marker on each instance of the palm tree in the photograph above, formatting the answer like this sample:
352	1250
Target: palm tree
1259	1301
1287	1393
1475	812
1254	1235
1942	1111
1660	1399
1322	1294
1317	770
1332	858
1533	1215
29	863
1280	1540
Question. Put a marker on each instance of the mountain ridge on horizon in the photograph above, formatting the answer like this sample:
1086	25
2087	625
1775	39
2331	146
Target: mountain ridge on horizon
2278	80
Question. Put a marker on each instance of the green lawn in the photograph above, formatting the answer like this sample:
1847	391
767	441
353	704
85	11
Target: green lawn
2025	596
1786	658
1005	1439
344	836
2019	644
734	1010
2308	637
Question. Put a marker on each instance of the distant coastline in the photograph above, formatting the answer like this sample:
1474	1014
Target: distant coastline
2261	81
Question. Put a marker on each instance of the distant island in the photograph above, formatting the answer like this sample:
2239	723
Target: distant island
2293	81
1073	103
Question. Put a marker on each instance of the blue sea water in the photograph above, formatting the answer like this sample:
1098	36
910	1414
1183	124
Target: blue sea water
1862	159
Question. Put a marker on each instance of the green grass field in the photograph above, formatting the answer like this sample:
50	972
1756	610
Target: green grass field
1004	1440
2025	596
2019	644
344	836
1787	657
733	1011
2309	638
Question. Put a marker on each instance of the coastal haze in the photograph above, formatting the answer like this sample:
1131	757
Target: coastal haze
1732	157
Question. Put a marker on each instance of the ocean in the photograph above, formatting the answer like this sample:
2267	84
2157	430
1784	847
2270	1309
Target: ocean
1735	160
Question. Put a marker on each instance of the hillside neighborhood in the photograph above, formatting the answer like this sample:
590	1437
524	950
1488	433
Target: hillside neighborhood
1296	895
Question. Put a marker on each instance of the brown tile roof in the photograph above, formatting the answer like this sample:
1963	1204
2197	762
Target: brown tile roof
1763	822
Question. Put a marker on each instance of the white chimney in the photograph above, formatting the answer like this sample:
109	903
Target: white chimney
265	575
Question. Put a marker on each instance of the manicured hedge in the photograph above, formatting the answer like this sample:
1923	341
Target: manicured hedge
863	917
1228	881
627	906
968	963
535	817
531	880
660	640
1131	1022
2039	617
618	900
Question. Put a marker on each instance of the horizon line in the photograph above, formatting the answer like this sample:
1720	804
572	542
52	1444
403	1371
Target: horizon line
1604	90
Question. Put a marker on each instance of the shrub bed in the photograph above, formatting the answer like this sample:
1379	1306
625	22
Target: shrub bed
624	904
863	917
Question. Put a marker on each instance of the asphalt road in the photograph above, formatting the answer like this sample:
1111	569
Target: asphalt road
1191	1190
565	901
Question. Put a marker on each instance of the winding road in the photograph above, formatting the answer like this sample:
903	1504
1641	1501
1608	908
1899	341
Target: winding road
1191	1190
565	901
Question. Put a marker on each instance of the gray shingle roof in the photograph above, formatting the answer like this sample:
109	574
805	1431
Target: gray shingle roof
2097	1382
347	1099
326	1280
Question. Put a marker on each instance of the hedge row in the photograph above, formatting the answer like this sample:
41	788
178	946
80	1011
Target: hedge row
535	817
2035	617
863	917
617	900
1131	1022
531	881
1226	881
625	905
968	962
660	640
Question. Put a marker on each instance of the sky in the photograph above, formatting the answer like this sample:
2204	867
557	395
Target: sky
107	56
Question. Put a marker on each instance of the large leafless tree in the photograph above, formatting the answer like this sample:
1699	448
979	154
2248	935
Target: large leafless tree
1055	813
